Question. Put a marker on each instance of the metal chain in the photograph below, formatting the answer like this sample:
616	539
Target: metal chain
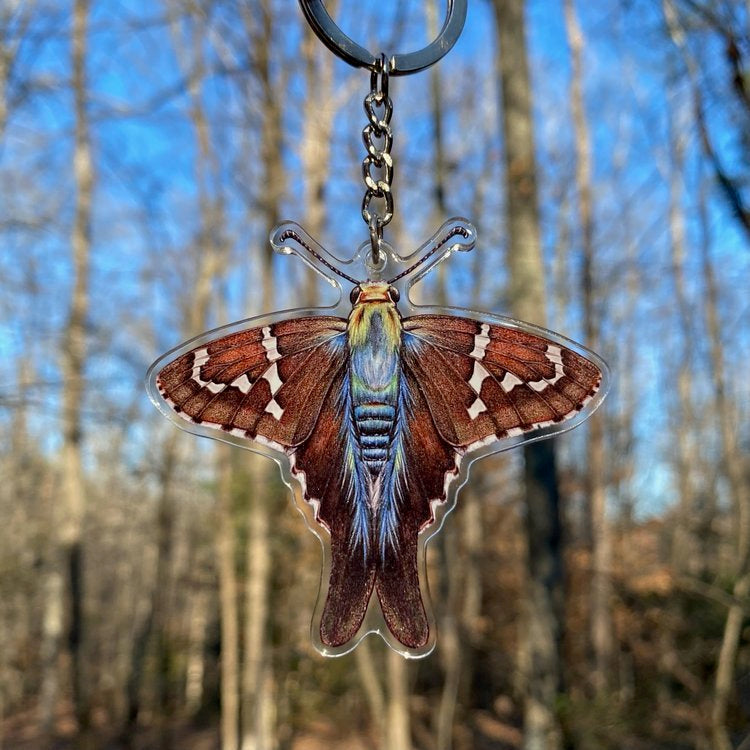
378	139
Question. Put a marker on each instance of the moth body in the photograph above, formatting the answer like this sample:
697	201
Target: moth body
374	343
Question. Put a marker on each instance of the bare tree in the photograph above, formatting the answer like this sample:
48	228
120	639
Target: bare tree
198	578
320	108
258	701
723	24
73	365
228	591
25	28
600	624
11	38
684	548
450	649
541	623
398	731
369	676
732	459
210	253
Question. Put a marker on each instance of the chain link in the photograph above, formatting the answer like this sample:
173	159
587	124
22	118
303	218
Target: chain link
377	166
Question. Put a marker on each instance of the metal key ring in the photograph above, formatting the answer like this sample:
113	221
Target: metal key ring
412	62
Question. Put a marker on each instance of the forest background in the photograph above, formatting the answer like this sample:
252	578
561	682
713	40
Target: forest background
156	589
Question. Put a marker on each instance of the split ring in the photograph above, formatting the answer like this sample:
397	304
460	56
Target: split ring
400	65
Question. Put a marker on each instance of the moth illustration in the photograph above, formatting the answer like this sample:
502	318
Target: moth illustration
376	412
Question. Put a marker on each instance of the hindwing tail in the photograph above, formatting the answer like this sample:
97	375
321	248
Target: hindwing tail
322	465
429	463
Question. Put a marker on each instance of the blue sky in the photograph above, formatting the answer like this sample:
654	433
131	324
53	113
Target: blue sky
146	213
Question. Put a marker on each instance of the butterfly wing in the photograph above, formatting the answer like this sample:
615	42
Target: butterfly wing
257	383
285	385
484	382
427	461
467	384
321	465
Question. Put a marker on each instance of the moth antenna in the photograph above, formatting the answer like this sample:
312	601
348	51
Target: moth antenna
439	247
291	231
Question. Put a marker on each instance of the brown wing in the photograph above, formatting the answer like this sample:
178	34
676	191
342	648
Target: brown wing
484	381
468	383
428	460
320	464
283	384
264	383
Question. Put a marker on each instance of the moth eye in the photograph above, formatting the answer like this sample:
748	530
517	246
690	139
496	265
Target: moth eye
395	294
354	295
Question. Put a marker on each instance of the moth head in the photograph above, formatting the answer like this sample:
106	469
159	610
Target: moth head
374	291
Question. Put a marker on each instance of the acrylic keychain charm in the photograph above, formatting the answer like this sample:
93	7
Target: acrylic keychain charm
374	408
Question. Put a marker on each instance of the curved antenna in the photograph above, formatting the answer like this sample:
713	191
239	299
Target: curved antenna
289	238
456	234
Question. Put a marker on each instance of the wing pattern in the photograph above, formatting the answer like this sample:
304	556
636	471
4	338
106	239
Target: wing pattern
321	466
285	386
468	383
266	383
428	460
464	384
485	382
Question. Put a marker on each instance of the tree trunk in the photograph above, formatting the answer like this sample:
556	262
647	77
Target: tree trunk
155	622
72	365
685	557
15	20
53	587
8	50
473	538
225	538
258	699
372	687
600	622
449	649
438	153
315	150
540	630
195	668
257	666
398	728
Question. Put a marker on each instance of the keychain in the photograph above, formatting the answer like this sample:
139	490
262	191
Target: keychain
374	408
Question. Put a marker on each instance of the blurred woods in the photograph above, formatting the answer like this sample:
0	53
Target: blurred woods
156	589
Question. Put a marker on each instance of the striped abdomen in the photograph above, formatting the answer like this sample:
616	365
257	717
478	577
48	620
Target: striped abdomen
374	423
